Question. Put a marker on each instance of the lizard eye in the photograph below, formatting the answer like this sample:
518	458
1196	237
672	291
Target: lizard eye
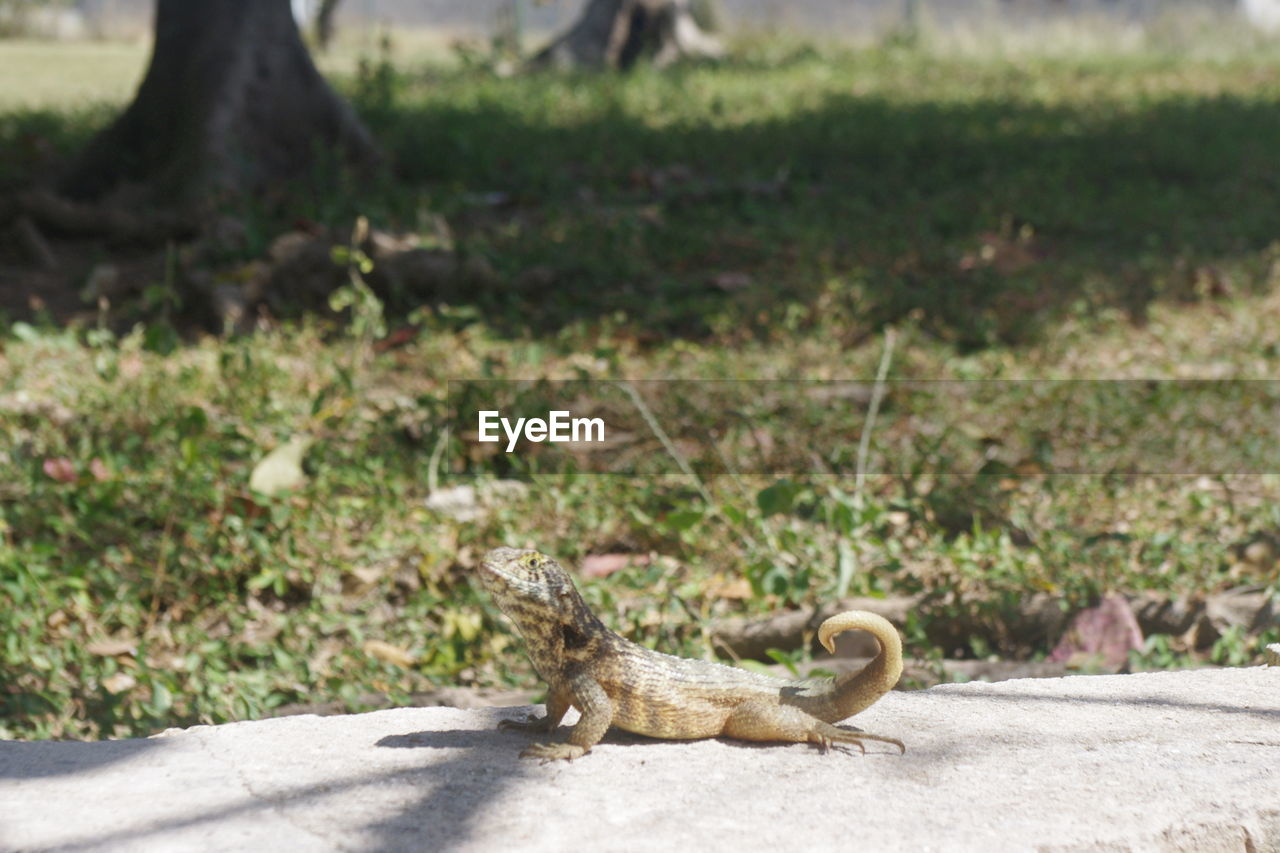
533	560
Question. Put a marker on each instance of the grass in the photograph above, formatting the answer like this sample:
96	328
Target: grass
68	75
1091	216
44	74
872	184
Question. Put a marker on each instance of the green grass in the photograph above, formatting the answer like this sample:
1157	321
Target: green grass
68	75
1081	217
863	183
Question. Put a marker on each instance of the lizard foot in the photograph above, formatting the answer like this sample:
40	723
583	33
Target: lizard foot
553	751
839	737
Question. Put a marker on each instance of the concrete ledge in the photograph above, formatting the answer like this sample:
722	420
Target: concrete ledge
1152	762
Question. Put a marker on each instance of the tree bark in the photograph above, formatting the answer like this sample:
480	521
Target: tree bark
230	102
618	33
324	23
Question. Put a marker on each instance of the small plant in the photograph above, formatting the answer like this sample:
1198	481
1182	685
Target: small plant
1233	648
367	322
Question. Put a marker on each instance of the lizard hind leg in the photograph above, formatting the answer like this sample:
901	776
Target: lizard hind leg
765	721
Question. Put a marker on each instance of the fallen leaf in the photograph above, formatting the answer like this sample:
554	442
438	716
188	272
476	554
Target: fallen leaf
400	337
1260	552
119	682
261	631
99	470
738	589
1105	633
462	624
457	502
367	575
111	648
281	469
603	565
388	653
60	468
731	281
1246	607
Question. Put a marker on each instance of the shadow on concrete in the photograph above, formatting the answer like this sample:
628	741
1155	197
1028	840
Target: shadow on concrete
122	839
445	817
513	741
1267	714
42	759
459	788
466	785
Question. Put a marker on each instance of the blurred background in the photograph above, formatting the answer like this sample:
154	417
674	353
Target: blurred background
863	20
228	488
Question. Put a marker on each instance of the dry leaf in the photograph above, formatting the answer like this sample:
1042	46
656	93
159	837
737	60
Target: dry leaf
731	281
1105	633
361	578
99	470
737	590
60	468
457	502
119	682
111	648
388	653
603	565
261	631
281	469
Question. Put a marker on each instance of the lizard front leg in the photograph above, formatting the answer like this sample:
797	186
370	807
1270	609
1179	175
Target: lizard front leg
558	702
597	714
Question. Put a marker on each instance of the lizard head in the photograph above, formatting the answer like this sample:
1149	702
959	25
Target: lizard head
515	576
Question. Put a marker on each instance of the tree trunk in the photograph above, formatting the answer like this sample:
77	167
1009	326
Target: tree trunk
324	23
230	102
618	33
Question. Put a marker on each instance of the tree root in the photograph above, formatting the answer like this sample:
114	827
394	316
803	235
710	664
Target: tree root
32	210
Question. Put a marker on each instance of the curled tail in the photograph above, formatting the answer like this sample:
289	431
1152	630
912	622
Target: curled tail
849	694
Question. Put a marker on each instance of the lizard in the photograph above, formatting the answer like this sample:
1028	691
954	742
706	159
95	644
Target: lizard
614	681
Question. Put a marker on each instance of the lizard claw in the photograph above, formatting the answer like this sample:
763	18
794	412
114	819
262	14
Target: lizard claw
828	737
546	752
826	744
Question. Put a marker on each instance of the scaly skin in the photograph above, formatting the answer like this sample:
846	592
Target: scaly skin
613	681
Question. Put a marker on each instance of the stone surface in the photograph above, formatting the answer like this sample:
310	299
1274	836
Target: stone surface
1153	762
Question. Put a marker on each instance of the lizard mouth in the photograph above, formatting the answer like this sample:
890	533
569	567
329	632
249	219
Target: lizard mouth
490	574
499	569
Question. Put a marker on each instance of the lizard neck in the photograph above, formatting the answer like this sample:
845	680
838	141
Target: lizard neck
558	636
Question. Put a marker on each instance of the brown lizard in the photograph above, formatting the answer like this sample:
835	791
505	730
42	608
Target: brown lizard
613	681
